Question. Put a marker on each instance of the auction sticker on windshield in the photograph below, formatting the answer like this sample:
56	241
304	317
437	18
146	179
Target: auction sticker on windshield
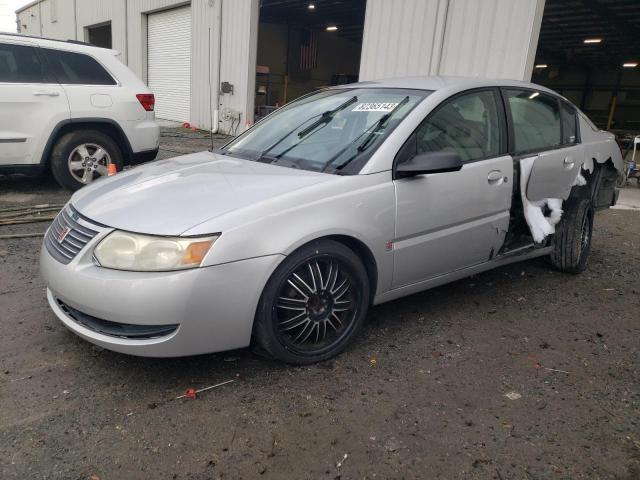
374	107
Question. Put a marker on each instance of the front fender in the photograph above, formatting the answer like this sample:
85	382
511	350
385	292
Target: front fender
361	207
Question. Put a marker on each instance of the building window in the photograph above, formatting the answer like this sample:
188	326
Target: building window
99	36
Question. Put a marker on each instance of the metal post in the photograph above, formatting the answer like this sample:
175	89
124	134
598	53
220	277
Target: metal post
614	99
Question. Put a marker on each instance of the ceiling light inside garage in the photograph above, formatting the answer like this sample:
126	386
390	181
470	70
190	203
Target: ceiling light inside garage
592	40
630	64
542	65
312	6
332	28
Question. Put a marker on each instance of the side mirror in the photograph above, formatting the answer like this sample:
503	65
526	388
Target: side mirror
431	162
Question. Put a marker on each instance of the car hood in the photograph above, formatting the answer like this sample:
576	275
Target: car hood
172	196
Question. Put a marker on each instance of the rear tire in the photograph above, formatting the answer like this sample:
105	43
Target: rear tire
69	164
313	305
572	241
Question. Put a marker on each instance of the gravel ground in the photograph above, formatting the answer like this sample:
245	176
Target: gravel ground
421	393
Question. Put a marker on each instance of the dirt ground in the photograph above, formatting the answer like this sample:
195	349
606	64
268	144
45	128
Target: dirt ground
421	393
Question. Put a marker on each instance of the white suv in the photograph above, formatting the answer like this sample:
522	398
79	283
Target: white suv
73	108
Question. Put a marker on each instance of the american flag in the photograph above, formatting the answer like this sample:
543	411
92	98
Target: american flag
308	49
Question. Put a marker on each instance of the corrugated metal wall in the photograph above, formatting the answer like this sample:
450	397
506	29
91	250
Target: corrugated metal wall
402	37
239	56
49	19
204	39
93	13
492	38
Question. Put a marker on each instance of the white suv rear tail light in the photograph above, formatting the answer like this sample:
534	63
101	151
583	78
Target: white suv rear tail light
147	100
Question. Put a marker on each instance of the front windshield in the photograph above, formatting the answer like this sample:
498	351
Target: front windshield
327	131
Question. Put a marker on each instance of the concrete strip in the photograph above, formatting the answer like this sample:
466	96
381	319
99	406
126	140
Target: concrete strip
629	198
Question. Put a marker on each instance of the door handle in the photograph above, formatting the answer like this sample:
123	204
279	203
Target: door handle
495	177
46	94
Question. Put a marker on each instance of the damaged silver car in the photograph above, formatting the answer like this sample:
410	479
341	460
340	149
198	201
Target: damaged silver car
343	199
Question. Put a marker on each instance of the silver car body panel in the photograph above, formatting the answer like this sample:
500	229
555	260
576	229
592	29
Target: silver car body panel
420	232
448	221
214	306
171	196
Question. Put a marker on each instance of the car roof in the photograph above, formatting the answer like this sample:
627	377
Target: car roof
434	83
75	45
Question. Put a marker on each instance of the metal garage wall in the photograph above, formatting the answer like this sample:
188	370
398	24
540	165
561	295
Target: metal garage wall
204	41
90	13
137	11
169	62
493	38
402	37
49	18
239	56
239	40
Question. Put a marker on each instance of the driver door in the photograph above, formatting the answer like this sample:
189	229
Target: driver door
453	220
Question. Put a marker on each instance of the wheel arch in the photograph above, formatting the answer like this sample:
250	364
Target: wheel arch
104	125
358	247
600	186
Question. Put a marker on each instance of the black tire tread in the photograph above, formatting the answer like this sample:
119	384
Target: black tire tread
567	255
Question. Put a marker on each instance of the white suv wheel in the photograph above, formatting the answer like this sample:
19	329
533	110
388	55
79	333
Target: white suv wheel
88	161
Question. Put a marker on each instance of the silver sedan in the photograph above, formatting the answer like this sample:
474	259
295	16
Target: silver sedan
343	199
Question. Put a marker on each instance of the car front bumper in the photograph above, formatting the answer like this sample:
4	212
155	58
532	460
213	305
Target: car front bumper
204	310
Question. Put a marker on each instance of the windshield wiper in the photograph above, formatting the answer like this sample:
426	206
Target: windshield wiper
367	141
384	119
326	117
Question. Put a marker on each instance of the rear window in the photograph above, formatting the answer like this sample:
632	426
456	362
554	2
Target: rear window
536	120
20	64
72	68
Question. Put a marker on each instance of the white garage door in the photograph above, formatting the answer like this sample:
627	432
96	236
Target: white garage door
169	62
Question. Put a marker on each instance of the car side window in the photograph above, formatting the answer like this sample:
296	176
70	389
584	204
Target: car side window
536	120
20	64
468	124
72	68
569	123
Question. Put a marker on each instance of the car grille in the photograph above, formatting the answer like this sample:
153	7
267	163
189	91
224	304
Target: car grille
115	329
74	240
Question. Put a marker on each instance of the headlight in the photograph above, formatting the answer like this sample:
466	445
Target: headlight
147	253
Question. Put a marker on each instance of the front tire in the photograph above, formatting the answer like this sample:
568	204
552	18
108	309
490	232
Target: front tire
572	241
80	157
313	305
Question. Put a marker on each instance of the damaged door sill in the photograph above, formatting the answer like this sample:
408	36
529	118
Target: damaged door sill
523	250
